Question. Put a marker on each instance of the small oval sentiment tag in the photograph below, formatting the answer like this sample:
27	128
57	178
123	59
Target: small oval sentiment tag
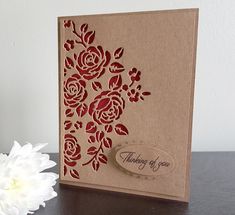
143	160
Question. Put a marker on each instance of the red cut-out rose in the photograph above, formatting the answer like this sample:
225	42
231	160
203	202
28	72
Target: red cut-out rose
71	150
107	107
91	62
74	91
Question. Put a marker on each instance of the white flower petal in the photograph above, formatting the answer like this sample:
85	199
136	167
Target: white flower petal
16	147
23	185
39	146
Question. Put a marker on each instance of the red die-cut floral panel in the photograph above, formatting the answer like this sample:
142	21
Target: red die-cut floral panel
107	106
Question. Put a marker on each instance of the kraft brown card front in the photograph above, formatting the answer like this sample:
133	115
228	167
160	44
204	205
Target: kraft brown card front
126	101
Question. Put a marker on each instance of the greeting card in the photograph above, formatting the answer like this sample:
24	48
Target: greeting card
126	101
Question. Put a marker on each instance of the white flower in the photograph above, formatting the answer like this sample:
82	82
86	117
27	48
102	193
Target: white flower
23	185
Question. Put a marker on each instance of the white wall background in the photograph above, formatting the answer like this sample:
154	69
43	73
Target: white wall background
28	68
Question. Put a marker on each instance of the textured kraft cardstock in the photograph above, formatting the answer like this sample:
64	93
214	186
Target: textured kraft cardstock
126	85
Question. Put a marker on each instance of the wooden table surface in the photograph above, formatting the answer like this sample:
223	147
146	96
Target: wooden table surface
212	193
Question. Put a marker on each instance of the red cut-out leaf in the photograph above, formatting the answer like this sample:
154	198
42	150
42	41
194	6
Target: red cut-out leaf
65	72
107	142
116	67
108	128
91	139
84	27
118	53
102	158
70	163
74	173
115	82
99	135
89	37
65	170
67	124
95	165
78	125
96	85
68	63
121	129
81	110
91	150
91	127
103	103
69	113
146	93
